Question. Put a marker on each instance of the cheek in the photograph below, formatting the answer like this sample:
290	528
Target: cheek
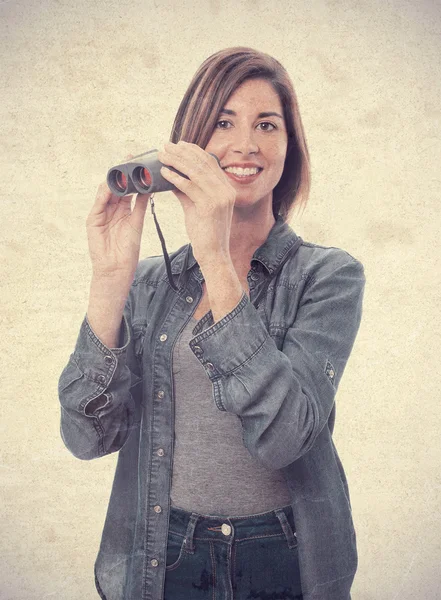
279	161
214	145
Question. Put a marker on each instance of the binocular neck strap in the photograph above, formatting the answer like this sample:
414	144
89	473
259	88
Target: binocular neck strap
164	249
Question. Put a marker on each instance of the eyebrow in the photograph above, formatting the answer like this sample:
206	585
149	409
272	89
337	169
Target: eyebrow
227	111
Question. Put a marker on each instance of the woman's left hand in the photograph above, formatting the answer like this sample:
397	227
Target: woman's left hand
207	198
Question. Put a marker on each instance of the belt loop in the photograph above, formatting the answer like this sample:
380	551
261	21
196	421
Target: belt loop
190	533
287	529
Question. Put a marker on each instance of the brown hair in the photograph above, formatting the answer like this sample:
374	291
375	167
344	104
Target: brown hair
214	82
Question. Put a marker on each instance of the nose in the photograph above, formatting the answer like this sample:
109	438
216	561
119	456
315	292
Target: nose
245	141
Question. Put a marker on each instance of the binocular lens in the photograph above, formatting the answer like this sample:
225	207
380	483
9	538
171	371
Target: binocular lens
121	181
145	177
142	178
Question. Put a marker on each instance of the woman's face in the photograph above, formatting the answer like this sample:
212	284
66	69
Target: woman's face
245	137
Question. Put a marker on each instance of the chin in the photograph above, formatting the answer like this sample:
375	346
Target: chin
253	198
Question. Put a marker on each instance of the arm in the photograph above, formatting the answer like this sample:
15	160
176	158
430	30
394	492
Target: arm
95	389
284	397
224	289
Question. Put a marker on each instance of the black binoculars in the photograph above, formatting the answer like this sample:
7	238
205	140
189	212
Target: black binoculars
141	175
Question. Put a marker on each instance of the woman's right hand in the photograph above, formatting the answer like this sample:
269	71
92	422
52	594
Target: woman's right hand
114	232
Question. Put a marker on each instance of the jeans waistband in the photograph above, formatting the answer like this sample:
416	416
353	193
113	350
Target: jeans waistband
193	525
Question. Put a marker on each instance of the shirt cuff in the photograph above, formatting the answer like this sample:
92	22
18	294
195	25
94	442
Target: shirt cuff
213	345
95	360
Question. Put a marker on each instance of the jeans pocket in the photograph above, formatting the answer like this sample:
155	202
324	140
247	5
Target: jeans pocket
176	553
267	563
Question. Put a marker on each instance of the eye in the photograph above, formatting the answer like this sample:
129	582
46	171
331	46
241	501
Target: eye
268	123
223	121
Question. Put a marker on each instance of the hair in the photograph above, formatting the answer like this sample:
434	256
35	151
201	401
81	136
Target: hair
212	85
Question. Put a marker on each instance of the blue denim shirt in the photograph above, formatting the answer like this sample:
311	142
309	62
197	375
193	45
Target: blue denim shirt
276	361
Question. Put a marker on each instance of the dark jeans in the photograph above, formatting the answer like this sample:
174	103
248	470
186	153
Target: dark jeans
236	558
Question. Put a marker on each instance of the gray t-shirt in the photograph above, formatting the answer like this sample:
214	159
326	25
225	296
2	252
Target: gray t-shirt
213	472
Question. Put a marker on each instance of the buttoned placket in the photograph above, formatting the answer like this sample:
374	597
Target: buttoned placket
253	276
160	395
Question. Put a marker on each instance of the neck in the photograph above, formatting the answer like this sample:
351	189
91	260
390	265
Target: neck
248	234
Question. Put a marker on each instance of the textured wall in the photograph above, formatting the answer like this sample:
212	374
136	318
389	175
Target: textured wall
85	83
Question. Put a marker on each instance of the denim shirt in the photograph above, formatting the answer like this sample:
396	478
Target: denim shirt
276	361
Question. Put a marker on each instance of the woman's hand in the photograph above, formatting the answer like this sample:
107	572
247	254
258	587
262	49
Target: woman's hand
114	232
207	198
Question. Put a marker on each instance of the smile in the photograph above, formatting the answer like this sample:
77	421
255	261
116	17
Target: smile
243	175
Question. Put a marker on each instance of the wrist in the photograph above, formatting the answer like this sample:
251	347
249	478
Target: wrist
214	262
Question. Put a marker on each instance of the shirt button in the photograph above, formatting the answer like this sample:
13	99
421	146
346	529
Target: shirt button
154	562
254	276
226	529
160	452
157	509
189	299
101	378
198	351
108	359
163	337
161	394
209	366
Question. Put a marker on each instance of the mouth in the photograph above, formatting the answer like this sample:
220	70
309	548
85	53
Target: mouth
243	177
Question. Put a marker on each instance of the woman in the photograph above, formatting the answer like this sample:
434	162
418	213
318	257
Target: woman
219	396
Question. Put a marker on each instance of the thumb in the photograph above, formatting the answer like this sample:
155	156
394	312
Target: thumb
138	212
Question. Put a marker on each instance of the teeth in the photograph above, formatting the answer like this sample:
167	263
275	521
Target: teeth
242	172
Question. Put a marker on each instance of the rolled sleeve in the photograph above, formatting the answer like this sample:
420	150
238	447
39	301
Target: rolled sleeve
95	360
94	389
284	397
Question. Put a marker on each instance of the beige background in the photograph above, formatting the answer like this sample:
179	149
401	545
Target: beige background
82	85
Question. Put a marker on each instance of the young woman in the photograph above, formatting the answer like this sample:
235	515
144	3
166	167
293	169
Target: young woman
215	380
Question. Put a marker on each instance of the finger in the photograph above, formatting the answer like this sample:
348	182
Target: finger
200	155
187	191
103	196
138	212
192	160
182	183
173	161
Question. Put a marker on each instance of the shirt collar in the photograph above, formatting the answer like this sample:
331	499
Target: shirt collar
270	254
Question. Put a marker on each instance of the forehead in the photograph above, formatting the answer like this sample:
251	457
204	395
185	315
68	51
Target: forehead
255	92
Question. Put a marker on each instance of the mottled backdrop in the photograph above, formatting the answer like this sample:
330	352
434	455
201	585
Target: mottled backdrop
85	83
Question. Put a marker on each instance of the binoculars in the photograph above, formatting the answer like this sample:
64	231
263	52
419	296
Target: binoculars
141	175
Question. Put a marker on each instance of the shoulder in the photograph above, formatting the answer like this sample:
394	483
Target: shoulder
316	258
320	267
